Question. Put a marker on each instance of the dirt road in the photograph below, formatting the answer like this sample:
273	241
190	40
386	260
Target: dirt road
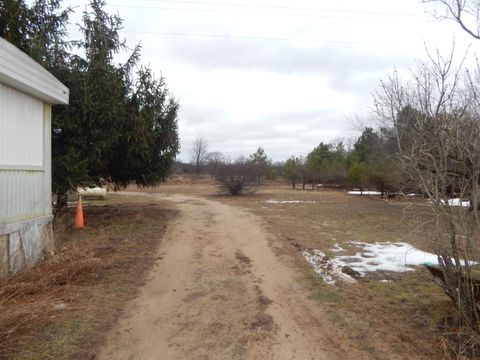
219	291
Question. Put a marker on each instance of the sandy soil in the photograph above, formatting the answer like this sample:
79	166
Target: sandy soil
221	291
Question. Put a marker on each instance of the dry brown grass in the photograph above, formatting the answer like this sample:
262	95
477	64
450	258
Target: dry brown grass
400	319
61	308
409	317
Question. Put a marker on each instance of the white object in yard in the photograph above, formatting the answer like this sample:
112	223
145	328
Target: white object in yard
290	202
93	192
358	192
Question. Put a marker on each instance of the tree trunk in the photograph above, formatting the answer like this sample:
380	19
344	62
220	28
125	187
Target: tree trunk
62	203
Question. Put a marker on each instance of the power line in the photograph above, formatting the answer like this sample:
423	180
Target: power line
241	37
285	7
246	12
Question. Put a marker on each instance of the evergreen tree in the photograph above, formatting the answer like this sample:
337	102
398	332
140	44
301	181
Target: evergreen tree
39	30
148	145
294	169
121	124
15	23
48	24
326	163
126	120
371	162
367	145
260	159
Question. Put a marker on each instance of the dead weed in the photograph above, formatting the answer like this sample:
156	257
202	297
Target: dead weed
94	272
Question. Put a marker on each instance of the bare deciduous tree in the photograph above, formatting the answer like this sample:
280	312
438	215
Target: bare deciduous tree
465	12
436	117
199	154
214	160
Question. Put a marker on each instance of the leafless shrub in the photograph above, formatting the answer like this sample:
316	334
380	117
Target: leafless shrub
240	176
436	117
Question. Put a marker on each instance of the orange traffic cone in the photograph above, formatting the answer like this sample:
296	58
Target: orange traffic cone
78	222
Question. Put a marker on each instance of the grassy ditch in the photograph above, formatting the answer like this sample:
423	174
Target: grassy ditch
62	308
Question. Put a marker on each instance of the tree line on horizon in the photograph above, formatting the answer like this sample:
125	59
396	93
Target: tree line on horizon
368	164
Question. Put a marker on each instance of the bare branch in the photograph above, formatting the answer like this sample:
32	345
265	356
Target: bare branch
456	11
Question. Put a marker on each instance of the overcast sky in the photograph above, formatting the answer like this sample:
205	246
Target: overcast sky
283	74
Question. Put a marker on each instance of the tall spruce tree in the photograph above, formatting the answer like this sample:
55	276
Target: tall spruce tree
146	150
121	123
125	122
15	23
38	30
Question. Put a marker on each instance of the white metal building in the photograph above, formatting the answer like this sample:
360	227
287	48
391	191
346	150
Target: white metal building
27	92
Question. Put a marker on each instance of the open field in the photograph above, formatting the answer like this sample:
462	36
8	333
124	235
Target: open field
169	273
400	318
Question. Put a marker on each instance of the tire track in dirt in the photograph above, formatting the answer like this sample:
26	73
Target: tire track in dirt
220	292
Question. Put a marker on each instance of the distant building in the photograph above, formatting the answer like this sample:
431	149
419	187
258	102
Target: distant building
27	92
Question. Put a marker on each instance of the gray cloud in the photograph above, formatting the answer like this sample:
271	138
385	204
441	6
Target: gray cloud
280	134
280	57
345	68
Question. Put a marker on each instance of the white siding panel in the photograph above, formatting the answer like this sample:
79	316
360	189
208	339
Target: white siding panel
22	196
21	128
21	72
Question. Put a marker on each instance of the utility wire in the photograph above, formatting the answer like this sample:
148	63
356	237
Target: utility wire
285	7
249	12
241	37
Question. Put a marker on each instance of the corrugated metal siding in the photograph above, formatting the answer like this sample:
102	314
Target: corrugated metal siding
25	157
21	128
22	195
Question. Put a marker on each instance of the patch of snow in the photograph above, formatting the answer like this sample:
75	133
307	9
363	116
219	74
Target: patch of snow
358	192
329	269
458	202
386	256
396	257
454	202
337	248
290	202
